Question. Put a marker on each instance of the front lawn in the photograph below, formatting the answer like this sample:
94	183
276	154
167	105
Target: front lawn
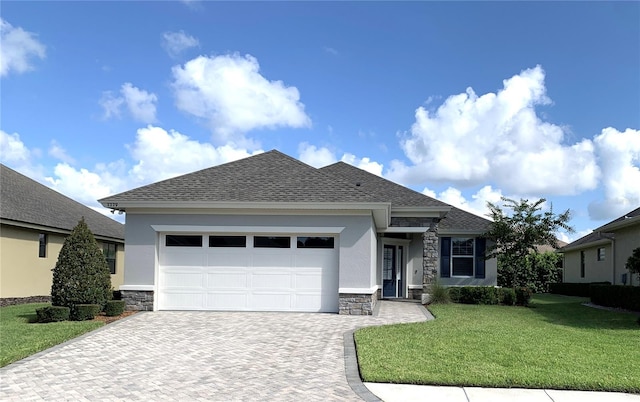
556	343
19	337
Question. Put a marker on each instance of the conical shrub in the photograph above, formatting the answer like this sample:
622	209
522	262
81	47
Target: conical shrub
81	275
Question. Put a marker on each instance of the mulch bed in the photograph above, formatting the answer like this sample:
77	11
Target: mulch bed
109	320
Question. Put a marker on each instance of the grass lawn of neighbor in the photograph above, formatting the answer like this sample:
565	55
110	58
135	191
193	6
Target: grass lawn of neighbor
21	337
555	343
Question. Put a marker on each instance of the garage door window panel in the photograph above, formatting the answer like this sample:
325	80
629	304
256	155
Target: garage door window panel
272	242
183	241
228	241
315	242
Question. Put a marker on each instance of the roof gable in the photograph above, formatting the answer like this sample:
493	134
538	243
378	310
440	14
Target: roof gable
26	201
268	177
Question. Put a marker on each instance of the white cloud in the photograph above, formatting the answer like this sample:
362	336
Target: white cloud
473	139
12	149
140	103
17	49
161	154
314	156
175	43
363	163
157	155
478	203
58	152
619	159
321	156
229	92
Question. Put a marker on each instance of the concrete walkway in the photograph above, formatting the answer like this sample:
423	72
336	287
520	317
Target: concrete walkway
420	393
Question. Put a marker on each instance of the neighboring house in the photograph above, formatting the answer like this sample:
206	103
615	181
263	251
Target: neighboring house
602	255
34	222
271	233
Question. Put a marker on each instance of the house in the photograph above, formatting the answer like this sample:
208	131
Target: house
601	256
34	222
269	232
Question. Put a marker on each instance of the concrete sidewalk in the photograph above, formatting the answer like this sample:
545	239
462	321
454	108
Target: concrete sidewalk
414	393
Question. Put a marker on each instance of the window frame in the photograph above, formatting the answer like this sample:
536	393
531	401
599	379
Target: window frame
105	250
229	244
43	241
600	256
329	245
471	256
183	236
273	243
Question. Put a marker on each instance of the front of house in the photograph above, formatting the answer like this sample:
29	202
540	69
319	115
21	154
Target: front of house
271	233
34	223
601	256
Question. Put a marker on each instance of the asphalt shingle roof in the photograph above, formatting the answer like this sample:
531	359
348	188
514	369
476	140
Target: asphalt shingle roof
275	177
25	200
400	196
268	177
597	234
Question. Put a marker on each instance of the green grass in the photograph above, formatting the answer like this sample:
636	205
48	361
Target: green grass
20	336
556	343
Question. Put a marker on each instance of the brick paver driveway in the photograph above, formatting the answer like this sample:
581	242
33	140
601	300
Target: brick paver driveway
201	356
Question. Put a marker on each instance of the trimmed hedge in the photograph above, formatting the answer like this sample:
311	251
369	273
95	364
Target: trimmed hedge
574	289
83	312
114	308
626	297
52	314
489	295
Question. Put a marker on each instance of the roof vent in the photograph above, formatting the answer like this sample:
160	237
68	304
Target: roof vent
358	184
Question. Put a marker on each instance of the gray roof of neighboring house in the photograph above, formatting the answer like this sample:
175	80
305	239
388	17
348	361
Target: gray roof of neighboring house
268	177
456	219
598	235
24	200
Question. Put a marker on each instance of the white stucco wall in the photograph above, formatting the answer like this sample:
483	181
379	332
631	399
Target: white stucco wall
594	270
627	239
357	241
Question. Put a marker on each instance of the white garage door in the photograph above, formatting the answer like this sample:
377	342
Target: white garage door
248	272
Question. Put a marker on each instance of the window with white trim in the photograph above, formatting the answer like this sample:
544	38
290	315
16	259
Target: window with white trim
462	256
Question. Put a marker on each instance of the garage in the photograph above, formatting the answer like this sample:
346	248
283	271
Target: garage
248	272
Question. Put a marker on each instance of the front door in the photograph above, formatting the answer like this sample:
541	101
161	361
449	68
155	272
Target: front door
392	277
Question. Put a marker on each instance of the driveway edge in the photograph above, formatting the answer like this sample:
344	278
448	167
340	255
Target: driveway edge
351	369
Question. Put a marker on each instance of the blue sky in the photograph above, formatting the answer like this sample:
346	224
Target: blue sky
464	101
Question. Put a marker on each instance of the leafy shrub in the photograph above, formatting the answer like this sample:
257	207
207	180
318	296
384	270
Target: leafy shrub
52	314
627	297
114	308
574	289
81	275
507	296
83	312
479	295
454	294
523	295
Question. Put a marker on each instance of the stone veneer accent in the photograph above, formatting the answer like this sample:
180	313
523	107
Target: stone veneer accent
138	300
415	294
357	303
429	256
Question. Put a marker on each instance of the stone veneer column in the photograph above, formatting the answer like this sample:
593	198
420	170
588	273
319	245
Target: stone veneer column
357	303
137	300
429	256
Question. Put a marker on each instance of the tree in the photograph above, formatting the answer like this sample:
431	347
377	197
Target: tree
633	262
514	236
81	275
